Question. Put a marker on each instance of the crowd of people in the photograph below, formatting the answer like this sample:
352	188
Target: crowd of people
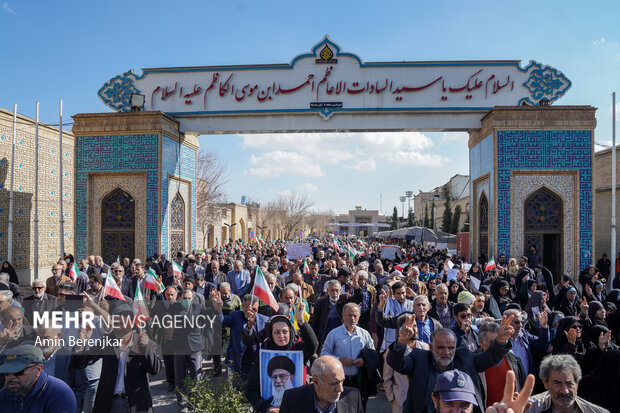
431	331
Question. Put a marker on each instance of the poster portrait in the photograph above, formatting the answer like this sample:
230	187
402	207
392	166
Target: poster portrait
280	371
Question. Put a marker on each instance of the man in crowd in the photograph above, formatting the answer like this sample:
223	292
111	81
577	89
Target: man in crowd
328	309
348	343
441	308
28	388
239	279
423	367
39	301
316	280
454	391
524	344
57	278
466	332
493	379
327	392
561	375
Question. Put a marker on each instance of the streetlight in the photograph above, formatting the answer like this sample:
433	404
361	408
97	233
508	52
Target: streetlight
402	200
229	229
409	194
435	197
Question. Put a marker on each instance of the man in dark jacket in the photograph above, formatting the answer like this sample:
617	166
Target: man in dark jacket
423	366
328	309
39	301
137	357
326	393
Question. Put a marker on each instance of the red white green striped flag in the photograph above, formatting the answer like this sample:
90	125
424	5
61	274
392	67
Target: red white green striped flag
490	264
306	267
177	270
112	289
141	313
73	272
150	281
401	267
262	291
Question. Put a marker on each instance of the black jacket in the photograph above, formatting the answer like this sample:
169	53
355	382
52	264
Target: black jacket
422	371
301	400
140	361
321	311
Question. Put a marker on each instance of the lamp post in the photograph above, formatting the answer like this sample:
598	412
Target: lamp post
230	229
435	197
409	194
402	201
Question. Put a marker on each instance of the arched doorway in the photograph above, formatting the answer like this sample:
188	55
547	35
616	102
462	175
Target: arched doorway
483	226
543	228
118	218
177	225
242	234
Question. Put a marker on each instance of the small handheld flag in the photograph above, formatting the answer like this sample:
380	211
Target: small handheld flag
112	289
490	265
262	291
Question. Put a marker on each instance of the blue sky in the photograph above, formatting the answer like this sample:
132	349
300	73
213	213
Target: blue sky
68	49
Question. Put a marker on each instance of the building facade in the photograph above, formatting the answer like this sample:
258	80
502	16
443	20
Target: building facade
50	196
360	222
459	190
602	201
532	184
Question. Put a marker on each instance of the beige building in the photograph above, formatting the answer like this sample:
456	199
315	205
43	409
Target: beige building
459	185
352	223
602	201
233	221
25	169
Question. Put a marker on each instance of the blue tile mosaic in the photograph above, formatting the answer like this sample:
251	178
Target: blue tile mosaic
116	153
183	166
570	149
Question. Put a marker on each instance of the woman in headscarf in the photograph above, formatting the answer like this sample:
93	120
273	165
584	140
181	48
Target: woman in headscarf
568	338
8	268
283	337
601	385
490	304
527	288
454	288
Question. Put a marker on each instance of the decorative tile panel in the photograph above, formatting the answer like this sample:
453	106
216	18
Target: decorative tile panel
545	149
117	153
178	160
564	186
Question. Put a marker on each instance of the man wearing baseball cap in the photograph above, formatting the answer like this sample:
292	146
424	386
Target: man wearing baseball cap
28	388
454	391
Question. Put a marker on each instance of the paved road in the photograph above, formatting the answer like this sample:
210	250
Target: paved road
165	402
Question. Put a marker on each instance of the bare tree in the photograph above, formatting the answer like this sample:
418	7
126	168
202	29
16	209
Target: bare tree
317	220
212	174
288	211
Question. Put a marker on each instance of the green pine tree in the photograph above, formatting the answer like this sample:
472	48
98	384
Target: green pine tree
410	222
394	221
426	223
446	223
454	225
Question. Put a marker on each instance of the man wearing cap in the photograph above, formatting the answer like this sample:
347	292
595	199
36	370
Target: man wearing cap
281	370
194	269
454	390
30	389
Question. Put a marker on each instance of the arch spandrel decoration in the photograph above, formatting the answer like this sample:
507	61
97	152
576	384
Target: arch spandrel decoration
483	225
177	225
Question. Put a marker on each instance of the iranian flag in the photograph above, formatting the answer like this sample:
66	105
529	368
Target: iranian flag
351	251
118	260
73	272
262	290
490	264
112	289
141	313
401	267
336	246
150	281
177	270
306	267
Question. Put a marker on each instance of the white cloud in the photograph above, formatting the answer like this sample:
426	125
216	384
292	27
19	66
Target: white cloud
447	137
276	163
617	111
363	165
307	187
304	153
603	43
8	8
